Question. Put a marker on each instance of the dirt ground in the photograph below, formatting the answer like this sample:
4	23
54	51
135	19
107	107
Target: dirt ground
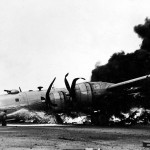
73	137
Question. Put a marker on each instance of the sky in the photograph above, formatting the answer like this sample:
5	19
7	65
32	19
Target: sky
43	39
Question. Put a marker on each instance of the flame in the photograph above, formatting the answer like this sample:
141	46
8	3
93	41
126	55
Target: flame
41	117
33	116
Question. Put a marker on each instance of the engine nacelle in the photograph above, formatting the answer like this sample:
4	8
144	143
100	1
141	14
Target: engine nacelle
58	98
88	93
83	94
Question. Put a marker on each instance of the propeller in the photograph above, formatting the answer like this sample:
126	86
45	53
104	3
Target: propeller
72	88
48	100
67	83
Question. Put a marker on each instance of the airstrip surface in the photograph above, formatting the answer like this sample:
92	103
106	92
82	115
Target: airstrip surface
46	137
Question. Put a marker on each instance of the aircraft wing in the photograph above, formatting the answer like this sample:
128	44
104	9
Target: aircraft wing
141	81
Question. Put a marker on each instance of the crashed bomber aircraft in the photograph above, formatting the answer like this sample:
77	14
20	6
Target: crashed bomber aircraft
81	97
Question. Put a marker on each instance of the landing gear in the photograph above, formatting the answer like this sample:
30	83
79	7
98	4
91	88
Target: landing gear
100	119
3	118
58	119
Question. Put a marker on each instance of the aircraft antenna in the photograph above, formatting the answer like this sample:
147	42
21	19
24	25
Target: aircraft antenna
20	89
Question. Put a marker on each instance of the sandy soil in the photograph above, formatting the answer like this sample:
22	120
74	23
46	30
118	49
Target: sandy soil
73	137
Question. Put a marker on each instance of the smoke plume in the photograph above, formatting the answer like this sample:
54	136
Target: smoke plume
122	67
143	31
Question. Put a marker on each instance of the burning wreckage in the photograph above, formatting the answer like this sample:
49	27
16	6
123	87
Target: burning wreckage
95	99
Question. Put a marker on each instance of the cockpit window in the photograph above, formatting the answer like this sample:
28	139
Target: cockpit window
17	99
42	99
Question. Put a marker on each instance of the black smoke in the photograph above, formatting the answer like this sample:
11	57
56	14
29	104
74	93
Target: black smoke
122	67
143	31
